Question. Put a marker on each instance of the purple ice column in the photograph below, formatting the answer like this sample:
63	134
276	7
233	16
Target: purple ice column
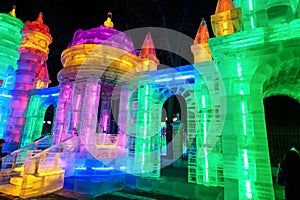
76	107
61	125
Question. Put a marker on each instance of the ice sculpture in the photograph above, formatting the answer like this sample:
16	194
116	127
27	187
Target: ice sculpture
201	48
35	169
227	18
34	50
147	57
254	61
10	28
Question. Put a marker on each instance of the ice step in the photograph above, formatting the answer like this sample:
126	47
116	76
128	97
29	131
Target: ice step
34	185
10	189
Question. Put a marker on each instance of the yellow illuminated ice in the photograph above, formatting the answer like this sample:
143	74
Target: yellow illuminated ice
13	11
227	18
108	23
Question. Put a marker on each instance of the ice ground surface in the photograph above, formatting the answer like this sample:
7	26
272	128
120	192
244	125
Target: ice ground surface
117	195
126	193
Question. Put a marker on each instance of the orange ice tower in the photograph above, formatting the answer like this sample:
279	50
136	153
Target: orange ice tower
227	18
201	48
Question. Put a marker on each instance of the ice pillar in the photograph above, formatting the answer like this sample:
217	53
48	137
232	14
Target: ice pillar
147	142
247	173
63	113
124	115
87	129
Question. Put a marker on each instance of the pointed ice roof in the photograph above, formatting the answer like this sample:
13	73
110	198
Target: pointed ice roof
224	5
202	35
148	46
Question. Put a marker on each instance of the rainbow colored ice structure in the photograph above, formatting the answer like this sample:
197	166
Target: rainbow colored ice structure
107	128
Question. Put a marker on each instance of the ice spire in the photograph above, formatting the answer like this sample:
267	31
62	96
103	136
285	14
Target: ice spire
202	33
40	18
148	46
147	56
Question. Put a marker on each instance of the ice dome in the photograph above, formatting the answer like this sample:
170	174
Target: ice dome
105	35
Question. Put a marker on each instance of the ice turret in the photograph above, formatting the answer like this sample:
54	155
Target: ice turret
33	55
227	18
148	47
10	38
200	48
147	56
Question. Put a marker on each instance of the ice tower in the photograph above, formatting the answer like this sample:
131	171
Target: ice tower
97	63
32	62
10	34
147	56
255	62
227	18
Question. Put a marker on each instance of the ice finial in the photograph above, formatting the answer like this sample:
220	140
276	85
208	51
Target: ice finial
148	46
40	18
13	11
202	33
108	23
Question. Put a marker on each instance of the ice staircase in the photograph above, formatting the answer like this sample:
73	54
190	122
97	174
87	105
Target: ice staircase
40	168
11	164
33	170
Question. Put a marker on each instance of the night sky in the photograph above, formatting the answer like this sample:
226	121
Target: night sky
64	17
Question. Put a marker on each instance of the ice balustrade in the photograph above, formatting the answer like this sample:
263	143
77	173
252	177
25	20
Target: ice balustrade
36	169
17	158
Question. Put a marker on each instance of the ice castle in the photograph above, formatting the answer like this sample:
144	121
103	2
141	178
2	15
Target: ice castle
107	130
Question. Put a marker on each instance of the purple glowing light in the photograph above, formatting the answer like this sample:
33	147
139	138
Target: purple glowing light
105	36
